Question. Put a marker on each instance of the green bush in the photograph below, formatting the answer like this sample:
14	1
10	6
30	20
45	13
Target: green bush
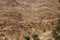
58	28
27	38
58	21
56	31
35	37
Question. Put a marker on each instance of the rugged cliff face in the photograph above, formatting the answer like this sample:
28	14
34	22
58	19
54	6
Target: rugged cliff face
28	19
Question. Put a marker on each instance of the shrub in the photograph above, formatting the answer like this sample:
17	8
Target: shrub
56	31
27	38
35	37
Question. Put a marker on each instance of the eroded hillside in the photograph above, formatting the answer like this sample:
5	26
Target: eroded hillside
28	19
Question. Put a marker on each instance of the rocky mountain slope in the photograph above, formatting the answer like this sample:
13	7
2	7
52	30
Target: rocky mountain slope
28	19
